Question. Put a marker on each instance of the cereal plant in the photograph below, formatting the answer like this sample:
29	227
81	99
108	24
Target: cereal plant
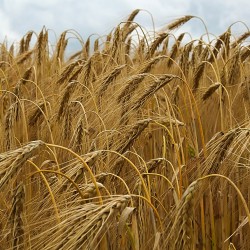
139	140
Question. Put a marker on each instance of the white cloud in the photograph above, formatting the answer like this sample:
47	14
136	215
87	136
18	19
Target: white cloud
100	16
6	30
220	14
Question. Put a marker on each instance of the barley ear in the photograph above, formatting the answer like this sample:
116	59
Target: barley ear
210	91
176	24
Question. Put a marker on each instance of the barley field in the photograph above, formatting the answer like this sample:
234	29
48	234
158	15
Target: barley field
139	140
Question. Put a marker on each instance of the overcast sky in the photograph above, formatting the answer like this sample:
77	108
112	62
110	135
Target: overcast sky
100	16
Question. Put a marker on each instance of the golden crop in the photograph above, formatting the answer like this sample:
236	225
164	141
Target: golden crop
139	142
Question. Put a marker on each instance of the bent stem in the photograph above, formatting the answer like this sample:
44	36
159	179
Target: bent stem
84	164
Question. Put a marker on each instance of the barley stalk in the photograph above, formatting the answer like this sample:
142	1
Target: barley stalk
61	45
66	72
240	39
234	71
179	22
65	99
17	219
27	40
27	75
175	49
12	161
132	134
9	124
106	81
210	91
226	141
36	114
159	83
155	44
197	75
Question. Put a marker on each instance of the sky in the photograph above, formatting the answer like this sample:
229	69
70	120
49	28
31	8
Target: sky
99	17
